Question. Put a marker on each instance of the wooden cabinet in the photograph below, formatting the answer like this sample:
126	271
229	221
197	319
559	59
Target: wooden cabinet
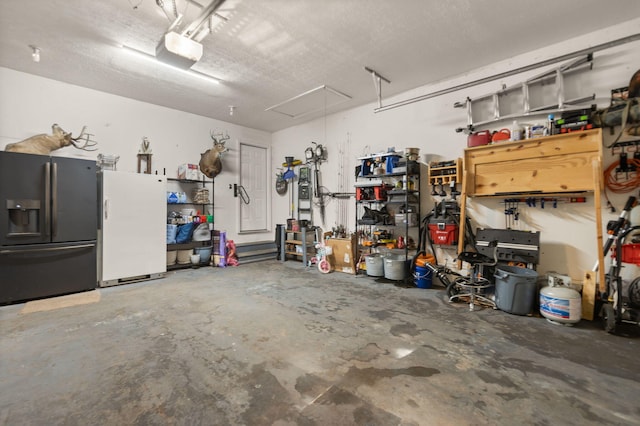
555	165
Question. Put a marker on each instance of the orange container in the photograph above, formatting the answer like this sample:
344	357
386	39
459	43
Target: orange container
501	135
424	259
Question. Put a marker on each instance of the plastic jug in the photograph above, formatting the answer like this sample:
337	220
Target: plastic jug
516	131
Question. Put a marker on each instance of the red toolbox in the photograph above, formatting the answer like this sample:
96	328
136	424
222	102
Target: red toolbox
380	192
370	193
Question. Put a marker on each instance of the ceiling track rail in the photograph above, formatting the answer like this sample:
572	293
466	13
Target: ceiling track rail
194	27
561	58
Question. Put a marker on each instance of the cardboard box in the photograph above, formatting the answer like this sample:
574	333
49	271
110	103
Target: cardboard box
188	171
343	258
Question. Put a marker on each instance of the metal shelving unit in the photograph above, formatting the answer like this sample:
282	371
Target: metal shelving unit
289	239
192	183
389	192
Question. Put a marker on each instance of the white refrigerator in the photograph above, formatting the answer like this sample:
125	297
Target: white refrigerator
132	227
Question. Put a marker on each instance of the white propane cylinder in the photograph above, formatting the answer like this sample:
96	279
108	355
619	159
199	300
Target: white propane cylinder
560	304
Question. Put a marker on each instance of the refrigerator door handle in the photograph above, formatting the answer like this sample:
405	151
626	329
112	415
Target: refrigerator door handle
47	199
75	247
54	200
106	208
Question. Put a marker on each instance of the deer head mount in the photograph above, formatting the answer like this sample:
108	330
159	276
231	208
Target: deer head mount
210	160
44	144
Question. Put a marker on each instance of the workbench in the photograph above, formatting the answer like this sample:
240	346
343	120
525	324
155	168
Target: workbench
558	165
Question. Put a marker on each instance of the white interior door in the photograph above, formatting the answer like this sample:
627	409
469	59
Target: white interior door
254	186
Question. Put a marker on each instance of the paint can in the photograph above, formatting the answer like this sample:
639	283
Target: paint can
423	277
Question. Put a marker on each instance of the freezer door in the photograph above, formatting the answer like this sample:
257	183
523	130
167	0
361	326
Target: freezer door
44	270
24	200
74	200
133	226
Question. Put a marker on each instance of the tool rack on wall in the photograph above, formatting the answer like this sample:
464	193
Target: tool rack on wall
558	165
445	173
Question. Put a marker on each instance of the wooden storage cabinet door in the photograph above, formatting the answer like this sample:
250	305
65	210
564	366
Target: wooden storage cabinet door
555	164
560	173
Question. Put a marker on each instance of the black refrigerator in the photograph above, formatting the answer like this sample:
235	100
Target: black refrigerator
48	226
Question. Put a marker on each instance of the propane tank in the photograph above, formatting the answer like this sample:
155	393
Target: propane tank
560	304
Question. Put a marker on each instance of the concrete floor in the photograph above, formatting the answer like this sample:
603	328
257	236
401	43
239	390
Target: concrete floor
278	344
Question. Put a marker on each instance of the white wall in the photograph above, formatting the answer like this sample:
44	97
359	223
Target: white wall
29	105
567	232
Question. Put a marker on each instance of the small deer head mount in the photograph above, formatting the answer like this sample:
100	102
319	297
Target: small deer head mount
44	144
210	160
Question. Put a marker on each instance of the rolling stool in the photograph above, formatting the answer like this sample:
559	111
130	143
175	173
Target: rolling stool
473	285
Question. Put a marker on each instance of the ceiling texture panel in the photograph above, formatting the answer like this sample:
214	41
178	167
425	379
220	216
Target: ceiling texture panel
268	51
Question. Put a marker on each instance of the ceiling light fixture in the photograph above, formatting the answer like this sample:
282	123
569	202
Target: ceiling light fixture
179	51
35	53
148	57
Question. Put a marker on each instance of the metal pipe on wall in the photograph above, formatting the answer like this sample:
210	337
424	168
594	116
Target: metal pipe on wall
590	50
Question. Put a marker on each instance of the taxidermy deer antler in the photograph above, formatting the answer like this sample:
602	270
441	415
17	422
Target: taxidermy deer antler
44	144
210	160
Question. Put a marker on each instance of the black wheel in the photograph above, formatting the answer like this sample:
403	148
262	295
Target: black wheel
634	293
609	318
453	288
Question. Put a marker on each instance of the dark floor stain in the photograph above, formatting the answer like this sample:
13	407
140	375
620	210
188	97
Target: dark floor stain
527	367
319	328
310	385
441	352
418	306
340	407
338	396
365	415
412	403
480	405
406	328
501	380
550	341
421	306
380	315
370	375
367	353
269	401
304	310
585	410
512	396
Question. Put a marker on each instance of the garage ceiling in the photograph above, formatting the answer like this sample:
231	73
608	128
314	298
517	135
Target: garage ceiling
268	51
